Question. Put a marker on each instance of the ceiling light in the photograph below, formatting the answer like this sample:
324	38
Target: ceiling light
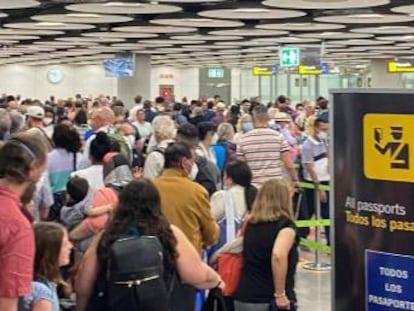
123	4
408	37
299	24
49	24
328	33
369	16
251	10
406	64
83	15
393	27
197	20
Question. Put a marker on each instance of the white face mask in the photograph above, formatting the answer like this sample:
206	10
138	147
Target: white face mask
323	135
47	121
194	172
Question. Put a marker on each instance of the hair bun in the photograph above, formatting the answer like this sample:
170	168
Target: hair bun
102	137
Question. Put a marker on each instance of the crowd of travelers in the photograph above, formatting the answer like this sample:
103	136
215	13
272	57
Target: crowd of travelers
106	205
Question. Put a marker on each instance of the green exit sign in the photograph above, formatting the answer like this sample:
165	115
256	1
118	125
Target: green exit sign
289	57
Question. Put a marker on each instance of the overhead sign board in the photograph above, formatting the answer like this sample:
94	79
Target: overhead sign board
264	70
310	70
398	67
289	57
215	72
310	56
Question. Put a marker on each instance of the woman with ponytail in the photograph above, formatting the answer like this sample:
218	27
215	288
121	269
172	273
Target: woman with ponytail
237	178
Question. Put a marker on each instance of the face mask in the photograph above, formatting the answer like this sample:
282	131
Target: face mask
282	126
323	135
247	126
215	139
47	121
194	172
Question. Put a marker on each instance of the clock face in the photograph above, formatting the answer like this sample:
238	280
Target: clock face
55	76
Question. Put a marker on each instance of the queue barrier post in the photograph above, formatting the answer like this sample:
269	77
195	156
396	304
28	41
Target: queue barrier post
317	265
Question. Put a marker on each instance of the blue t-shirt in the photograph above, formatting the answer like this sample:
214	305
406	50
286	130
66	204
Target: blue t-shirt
40	291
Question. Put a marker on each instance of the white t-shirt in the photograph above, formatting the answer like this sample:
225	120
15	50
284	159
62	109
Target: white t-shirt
133	112
94	176
217	203
316	152
144	129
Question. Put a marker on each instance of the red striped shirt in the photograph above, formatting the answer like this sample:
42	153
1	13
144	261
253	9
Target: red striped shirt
262	148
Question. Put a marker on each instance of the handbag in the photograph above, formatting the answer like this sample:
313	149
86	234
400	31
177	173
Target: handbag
215	301
273	307
229	267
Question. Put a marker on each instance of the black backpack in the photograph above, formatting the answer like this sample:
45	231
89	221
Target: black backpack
132	278
208	175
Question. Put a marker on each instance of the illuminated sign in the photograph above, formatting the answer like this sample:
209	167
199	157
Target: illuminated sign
216	73
264	70
397	67
289	57
310	70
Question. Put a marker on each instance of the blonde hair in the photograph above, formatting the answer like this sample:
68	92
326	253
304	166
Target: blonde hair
310	125
225	131
272	202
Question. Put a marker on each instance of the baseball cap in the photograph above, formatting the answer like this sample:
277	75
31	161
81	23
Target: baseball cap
35	112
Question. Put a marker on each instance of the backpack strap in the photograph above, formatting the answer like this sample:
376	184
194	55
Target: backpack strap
75	161
230	214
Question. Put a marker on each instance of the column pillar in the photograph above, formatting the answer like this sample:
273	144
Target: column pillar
139	84
381	78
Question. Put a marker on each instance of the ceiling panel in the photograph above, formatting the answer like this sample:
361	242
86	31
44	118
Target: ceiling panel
256	13
18	4
366	18
221	31
82	18
112	7
324	4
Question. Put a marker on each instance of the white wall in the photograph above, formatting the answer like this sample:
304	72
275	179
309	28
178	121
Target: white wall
184	80
31	81
249	84
235	90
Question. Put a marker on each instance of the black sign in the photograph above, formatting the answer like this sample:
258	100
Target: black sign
373	194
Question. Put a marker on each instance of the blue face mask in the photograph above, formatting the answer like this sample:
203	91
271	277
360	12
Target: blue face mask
247	126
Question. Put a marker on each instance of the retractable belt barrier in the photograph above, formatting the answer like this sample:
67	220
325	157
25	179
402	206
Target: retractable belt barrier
311	243
309	185
316	245
313	223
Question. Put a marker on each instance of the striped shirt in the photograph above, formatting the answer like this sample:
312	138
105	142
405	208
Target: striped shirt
261	148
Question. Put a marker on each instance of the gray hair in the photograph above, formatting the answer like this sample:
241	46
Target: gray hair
225	132
260	113
5	123
17	121
164	127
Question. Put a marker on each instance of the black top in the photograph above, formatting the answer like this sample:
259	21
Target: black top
256	282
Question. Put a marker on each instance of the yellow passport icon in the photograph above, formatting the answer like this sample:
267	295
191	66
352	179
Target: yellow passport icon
388	147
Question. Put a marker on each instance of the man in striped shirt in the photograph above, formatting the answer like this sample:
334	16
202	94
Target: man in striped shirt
265	151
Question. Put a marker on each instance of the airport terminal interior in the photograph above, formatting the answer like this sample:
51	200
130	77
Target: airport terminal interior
214	61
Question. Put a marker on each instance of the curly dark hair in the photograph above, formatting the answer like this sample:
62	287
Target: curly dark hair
67	138
140	207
